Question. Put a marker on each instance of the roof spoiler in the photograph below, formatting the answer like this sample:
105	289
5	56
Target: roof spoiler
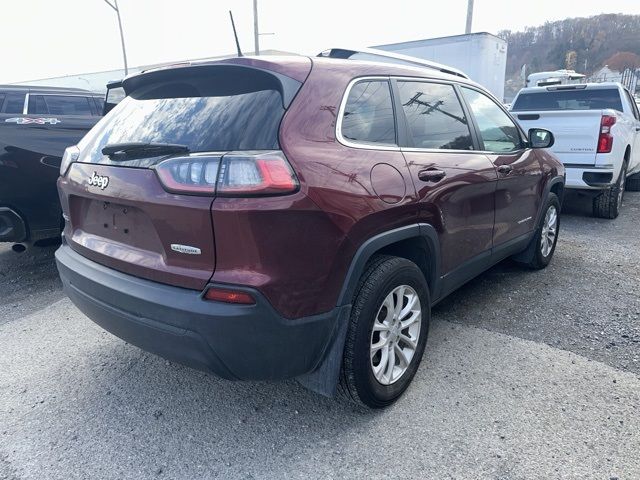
388	57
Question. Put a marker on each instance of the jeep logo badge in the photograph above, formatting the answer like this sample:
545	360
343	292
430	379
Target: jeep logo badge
96	180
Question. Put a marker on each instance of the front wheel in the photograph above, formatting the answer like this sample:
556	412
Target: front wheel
387	332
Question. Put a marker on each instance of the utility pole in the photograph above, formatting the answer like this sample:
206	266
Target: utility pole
114	5
256	33
469	17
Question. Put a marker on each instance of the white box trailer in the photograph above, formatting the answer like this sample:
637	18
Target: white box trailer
482	56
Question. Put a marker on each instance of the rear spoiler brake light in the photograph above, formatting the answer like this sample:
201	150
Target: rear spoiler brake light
567	87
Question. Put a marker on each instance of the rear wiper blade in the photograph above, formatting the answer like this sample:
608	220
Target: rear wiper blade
125	150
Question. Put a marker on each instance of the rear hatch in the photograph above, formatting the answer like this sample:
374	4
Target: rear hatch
573	113
137	193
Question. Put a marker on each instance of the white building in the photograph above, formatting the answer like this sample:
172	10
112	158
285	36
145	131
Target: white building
482	56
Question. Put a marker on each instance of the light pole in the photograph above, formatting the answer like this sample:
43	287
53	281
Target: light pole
256	33
114	5
469	16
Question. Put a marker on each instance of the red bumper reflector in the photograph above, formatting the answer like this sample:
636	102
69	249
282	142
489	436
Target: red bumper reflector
229	296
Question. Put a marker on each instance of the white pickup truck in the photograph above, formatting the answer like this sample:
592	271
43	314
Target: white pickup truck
597	137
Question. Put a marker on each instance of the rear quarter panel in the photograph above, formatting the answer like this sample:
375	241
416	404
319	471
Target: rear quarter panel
338	209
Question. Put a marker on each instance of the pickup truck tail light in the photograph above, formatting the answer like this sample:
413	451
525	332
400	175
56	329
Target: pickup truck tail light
235	174
605	140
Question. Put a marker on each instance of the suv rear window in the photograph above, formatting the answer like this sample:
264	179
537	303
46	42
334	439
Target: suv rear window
209	113
585	99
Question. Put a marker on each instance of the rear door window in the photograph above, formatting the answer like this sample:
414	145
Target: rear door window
435	116
37	106
368	114
1	100
99	103
67	105
14	103
497	131
571	99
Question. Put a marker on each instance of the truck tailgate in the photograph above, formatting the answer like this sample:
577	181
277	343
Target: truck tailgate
576	132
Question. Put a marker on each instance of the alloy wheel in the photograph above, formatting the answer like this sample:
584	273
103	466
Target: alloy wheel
549	231
395	334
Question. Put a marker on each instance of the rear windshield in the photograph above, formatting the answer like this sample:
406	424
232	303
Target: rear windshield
595	99
211	113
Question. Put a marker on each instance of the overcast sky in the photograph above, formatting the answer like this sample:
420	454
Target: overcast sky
45	38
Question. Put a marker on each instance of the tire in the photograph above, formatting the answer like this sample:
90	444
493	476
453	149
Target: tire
608	203
633	183
381	281
537	256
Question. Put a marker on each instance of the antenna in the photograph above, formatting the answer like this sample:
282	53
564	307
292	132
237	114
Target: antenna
235	34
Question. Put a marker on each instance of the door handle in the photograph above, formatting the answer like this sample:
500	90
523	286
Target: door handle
505	169
431	175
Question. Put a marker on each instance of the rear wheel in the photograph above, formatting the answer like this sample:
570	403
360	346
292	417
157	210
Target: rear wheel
608	203
543	244
387	332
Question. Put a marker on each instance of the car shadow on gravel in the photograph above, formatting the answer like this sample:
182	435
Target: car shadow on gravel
199	416
577	204
29	280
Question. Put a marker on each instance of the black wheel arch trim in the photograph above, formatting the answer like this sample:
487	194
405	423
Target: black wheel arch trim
324	379
376	243
558	179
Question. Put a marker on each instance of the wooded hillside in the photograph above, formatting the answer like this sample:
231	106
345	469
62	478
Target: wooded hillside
581	44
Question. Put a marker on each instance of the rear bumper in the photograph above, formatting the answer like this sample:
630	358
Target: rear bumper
232	341
12	226
590	178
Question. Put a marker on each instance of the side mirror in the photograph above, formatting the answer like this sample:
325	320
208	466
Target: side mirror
541	138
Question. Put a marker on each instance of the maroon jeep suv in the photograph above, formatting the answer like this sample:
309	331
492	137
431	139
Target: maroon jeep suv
292	217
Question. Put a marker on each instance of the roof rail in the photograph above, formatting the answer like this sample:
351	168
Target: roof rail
388	57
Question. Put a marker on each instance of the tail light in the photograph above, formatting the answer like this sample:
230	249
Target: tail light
605	140
237	174
71	154
194	174
262	173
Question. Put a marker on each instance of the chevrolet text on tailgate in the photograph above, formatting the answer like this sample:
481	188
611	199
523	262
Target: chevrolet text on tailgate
292	217
597	132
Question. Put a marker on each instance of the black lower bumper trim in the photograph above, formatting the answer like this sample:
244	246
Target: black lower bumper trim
247	342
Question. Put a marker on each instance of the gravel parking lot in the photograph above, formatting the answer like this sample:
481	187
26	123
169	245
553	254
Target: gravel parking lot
526	375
